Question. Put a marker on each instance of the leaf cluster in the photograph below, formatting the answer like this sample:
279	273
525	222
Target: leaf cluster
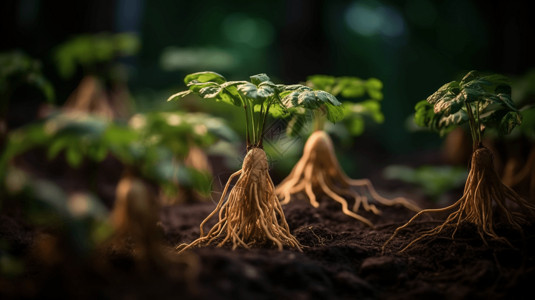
260	97
20	70
88	50
354	115
151	148
482	100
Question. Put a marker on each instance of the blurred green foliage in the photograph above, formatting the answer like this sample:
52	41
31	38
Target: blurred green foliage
434	181
80	217
154	144
90	50
20	70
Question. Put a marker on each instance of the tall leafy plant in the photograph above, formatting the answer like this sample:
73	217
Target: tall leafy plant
318	172
482	101
250	213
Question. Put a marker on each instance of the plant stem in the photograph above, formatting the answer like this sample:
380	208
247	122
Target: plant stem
263	125
474	130
319	120
247	139
251	107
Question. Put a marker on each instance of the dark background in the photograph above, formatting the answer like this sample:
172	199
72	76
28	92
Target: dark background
412	46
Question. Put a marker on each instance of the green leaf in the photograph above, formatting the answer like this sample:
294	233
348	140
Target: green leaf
374	87
259	78
424	113
442	91
260	92
248	90
179	95
210	92
449	104
457	118
352	90
56	146
509	122
335	113
321	82
206	76
196	87
356	126
374	84
327	98
73	156
297	123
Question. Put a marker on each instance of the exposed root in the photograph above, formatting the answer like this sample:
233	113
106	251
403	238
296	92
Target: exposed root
319	173
484	201
252	215
93	96
134	220
526	174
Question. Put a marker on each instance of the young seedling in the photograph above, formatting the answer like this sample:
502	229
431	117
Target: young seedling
250	213
483	101
102	90
318	171
186	135
19	73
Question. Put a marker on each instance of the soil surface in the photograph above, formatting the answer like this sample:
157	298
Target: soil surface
341	259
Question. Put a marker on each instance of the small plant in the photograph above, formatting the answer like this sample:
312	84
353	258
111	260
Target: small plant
186	135
19	72
519	164
103	88
318	171
250	213
483	101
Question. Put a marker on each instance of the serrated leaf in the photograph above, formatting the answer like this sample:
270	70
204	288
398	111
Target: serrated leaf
248	90
335	113
206	76
259	78
210	92
457	118
327	98
296	124
442	91
449	104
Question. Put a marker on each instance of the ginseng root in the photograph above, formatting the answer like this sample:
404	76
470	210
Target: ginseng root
484	201
251	216
319	173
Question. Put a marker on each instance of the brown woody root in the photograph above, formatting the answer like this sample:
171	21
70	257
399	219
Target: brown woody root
484	200
319	173
91	96
134	219
252	215
526	174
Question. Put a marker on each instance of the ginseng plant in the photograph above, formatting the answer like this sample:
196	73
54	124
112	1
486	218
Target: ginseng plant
484	102
250	214
318	172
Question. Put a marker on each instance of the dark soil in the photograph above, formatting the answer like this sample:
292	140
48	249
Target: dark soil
341	260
